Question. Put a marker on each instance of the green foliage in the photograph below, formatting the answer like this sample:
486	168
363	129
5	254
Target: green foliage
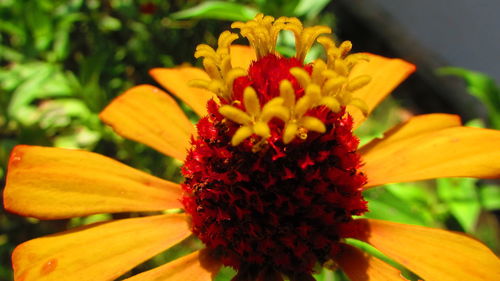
217	10
481	86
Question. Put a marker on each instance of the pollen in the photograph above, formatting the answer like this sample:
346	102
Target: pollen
272	179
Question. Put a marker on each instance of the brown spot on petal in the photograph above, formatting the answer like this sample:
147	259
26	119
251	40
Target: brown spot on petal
48	267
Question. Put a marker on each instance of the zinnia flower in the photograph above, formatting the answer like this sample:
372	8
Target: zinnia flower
273	174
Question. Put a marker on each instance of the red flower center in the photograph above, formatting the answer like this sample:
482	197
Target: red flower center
282	207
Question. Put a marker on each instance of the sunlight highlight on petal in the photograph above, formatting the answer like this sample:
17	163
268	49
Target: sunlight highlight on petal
56	183
150	116
198	266
386	74
101	251
433	254
360	266
450	152
176	80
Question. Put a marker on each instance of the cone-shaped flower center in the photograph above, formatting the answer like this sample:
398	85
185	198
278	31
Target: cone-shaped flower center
272	178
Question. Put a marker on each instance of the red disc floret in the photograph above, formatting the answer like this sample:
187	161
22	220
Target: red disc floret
282	207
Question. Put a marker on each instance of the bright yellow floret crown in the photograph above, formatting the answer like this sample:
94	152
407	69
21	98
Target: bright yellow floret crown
329	84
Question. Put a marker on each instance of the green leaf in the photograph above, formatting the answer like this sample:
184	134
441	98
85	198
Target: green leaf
490	196
461	196
59	112
47	82
81	138
40	24
310	8
412	208
110	24
61	37
225	273
481	86
217	10
327	275
10	54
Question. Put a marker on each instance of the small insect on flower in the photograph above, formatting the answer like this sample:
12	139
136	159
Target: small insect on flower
273	173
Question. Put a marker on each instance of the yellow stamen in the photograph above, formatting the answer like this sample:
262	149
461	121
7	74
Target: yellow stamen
287	93
217	64
234	114
241	134
329	84
291	130
251	101
301	75
254	119
313	124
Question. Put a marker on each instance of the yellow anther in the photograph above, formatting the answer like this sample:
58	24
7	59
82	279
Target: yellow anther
290	132
330	102
217	64
211	68
303	105
306	38
329	74
345	47
313	124
361	105
234	114
313	91
326	42
225	65
274	102
262	129
251	101
355	58
344	97
217	87
319	66
204	50
226	38
332	85
358	82
277	111
232	74
240	135
262	33
287	93
301	75
329	83
341	67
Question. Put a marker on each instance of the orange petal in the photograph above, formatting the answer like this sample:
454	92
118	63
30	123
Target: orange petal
101	251
417	125
242	56
56	183
198	266
150	116
433	254
176	80
386	75
363	267
450	152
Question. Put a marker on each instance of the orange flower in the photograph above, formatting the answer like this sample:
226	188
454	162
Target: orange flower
290	126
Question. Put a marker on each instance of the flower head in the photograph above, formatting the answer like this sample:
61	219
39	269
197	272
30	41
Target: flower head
273	173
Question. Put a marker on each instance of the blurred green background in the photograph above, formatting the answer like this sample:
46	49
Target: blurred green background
63	61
